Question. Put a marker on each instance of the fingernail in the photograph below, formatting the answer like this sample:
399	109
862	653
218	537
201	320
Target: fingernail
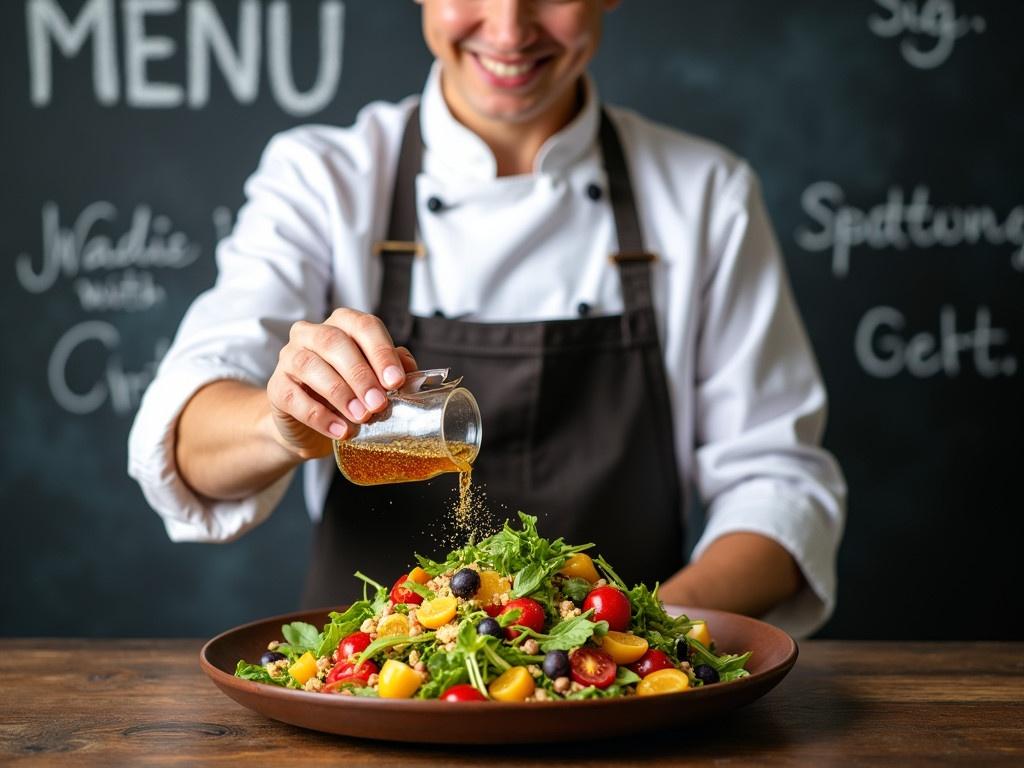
336	429
392	375
356	409
374	398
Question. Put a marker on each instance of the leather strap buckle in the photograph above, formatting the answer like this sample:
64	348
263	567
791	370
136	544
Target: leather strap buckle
631	257
399	246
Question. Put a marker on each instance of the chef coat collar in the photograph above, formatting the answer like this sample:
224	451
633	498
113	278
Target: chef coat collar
464	153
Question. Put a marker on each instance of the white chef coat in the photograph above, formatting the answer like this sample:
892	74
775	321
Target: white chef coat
747	399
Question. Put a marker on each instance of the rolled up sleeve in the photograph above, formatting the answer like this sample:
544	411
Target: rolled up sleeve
761	408
272	271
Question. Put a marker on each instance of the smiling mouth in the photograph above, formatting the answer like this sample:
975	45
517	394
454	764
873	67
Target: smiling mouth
502	69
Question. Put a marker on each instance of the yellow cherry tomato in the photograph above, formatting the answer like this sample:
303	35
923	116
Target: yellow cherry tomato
303	668
581	566
433	613
418	575
663	681
623	647
701	634
492	584
515	684
395	624
398	680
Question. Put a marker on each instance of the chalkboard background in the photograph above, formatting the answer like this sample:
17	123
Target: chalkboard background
888	138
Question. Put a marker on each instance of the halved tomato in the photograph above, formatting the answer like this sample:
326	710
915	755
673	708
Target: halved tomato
592	667
346	672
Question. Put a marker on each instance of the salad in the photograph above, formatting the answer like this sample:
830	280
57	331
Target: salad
513	617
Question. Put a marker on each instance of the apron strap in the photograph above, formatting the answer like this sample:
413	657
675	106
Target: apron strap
401	246
633	260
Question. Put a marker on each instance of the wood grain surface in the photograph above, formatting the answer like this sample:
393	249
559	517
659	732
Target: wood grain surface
146	702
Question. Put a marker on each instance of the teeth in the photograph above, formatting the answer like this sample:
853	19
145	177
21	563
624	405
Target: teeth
505	70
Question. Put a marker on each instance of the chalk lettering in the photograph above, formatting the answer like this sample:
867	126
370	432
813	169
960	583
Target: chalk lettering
206	39
149	243
46	21
141	48
884	350
207	35
900	224
933	28
120	387
127	291
332	18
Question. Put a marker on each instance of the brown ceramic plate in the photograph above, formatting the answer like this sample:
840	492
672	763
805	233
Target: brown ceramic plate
774	653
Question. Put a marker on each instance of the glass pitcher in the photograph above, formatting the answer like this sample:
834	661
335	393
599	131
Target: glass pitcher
429	426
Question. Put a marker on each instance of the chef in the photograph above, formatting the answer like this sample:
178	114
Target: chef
609	288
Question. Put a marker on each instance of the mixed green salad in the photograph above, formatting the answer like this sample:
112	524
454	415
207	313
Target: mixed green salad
513	617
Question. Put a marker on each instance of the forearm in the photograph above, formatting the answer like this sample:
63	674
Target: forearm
740	572
225	444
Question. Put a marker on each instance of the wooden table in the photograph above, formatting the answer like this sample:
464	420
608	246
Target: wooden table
133	702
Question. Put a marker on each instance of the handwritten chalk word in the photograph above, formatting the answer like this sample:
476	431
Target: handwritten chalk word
150	242
901	224
206	38
885	349
933	28
117	386
127	291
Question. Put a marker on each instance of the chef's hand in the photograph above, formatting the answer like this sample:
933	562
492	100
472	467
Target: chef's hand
331	375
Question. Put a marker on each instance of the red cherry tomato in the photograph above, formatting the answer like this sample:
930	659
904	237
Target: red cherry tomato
611	605
346	672
352	645
592	667
651	661
531	615
463	692
400	594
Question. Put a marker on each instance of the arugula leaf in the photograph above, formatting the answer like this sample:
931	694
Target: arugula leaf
724	664
390	641
419	589
301	636
625	676
509	618
576	589
528	579
341	625
573	632
258	674
446	670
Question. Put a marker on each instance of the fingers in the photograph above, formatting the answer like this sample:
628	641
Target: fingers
371	336
291	398
349	362
408	361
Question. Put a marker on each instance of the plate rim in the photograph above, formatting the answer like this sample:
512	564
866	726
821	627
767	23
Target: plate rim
224	679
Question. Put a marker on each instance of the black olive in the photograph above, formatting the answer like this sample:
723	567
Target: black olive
490	627
270	656
465	583
556	664
682	649
706	674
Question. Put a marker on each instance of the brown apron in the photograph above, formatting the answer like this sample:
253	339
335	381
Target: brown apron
577	427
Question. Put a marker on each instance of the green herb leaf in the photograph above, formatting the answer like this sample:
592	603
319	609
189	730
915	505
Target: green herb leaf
301	636
419	589
576	589
572	632
258	674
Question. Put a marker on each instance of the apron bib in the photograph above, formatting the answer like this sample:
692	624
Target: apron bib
577	427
